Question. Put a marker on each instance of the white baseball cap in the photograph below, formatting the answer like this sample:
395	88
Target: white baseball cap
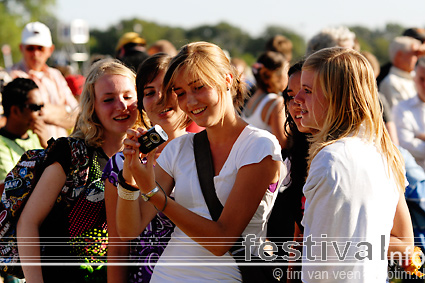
36	33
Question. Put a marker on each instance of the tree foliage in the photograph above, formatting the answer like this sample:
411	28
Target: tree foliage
29	10
15	13
235	40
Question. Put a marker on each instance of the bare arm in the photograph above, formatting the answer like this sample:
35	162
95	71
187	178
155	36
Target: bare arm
39	128
250	186
58	115
402	239
420	136
36	210
118	250
134	215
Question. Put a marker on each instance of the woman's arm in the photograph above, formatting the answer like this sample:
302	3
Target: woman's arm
118	250
250	186
134	215
35	211
401	238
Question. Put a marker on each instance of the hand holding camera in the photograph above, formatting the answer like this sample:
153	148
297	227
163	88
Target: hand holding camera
154	137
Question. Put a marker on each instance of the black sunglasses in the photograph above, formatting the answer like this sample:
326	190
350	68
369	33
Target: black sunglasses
31	48
34	107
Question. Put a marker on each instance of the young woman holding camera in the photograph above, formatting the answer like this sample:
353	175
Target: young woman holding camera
247	169
66	210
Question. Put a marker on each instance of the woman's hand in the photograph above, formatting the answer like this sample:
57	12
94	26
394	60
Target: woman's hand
138	167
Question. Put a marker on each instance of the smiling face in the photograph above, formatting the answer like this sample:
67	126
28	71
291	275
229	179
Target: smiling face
199	101
115	104
313	103
169	116
294	86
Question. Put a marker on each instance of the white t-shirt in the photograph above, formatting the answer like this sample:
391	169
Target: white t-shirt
177	159
350	200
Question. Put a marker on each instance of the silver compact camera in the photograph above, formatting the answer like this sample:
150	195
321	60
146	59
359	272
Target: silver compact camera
153	138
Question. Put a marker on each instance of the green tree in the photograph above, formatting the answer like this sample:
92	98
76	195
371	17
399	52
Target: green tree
235	40
11	34
377	41
104	42
29	10
228	37
14	14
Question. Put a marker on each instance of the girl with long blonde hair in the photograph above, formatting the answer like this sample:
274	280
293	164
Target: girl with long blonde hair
67	206
355	185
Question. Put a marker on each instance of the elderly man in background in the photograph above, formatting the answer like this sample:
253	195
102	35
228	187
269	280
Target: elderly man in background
409	117
60	106
398	85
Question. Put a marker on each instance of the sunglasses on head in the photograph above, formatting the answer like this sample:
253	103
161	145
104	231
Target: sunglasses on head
31	48
34	107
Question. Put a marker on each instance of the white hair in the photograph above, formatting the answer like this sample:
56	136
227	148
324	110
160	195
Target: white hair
331	37
404	44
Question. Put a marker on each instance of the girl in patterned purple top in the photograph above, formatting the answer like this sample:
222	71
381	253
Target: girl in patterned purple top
144	251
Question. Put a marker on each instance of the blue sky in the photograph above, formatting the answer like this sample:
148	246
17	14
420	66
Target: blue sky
306	17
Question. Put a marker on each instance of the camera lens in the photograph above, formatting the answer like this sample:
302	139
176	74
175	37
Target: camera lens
155	138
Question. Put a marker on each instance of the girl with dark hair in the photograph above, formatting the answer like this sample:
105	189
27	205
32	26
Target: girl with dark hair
142	253
265	109
285	219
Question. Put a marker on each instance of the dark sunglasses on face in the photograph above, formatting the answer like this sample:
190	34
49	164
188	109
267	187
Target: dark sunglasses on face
31	48
34	107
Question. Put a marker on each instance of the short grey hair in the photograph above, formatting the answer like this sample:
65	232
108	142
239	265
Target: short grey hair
331	37
404	44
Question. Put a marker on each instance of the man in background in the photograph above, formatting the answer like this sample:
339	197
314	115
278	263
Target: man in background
409	117
398	85
24	129
131	50
60	106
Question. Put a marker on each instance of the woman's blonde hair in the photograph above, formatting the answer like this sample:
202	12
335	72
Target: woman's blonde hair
208	63
88	126
348	83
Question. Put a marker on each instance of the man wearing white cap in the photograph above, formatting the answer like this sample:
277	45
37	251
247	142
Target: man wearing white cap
60	106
